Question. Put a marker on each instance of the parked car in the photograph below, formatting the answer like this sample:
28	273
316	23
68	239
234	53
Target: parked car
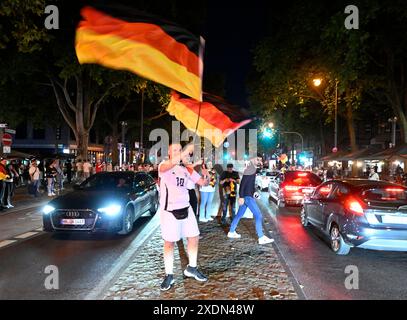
107	201
359	213
289	188
263	179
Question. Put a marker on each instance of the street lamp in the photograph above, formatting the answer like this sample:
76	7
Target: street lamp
122	158
317	82
393	122
298	134
271	125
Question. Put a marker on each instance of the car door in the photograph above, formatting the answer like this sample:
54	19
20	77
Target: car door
275	185
151	189
333	208
141	199
317	203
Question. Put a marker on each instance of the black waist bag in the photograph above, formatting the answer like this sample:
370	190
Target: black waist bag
180	214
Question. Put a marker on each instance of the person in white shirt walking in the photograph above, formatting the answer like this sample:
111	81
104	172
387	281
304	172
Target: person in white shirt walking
177	219
87	166
373	175
79	170
34	174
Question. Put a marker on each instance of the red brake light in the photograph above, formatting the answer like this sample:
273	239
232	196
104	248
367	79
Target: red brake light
325	190
354	206
395	190
291	188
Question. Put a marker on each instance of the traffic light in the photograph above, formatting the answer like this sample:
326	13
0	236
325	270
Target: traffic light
58	133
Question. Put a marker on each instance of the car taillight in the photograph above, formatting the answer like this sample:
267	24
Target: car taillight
395	189
325	190
354	206
291	188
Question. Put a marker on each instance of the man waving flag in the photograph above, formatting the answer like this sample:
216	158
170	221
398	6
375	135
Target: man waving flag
126	39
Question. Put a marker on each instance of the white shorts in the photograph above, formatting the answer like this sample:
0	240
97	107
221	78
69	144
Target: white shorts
173	230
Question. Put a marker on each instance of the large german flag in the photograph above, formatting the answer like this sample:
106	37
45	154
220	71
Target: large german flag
217	118
126	39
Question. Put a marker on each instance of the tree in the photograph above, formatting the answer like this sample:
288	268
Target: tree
316	46
79	90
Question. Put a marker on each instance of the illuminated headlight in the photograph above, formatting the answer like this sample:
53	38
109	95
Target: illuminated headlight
48	209
111	210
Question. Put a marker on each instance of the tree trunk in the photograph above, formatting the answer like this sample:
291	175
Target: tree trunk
82	141
350	122
115	150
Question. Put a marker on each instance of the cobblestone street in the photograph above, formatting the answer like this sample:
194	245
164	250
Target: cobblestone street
237	269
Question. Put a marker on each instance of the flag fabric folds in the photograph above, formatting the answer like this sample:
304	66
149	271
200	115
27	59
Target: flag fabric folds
126	39
217	118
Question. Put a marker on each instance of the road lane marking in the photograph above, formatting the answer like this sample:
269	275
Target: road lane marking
5	243
25	235
124	260
39	229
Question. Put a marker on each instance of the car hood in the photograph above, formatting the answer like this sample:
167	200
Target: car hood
88	199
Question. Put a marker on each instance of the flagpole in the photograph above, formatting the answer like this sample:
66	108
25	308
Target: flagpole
142	122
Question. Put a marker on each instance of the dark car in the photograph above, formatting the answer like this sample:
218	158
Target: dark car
359	213
289	188
105	202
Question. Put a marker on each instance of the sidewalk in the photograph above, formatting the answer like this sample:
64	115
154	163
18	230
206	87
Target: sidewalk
237	269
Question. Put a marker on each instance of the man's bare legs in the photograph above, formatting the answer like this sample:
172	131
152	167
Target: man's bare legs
169	257
193	251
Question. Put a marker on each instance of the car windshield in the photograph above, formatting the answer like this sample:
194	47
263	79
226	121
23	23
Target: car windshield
386	194
109	181
306	179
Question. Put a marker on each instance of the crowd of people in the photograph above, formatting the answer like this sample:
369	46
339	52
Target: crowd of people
180	210
49	175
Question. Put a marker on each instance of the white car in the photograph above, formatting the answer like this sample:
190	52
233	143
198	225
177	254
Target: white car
264	178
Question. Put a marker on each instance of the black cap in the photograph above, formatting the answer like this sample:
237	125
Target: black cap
229	165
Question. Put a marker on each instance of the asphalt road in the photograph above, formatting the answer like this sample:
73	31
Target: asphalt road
321	273
83	261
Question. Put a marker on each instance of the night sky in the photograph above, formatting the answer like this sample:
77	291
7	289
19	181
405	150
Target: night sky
231	32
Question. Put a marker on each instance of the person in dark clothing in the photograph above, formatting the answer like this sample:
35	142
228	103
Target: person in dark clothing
68	167
3	176
329	174
246	200
229	180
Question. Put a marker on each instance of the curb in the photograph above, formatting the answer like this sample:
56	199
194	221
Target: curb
300	292
124	260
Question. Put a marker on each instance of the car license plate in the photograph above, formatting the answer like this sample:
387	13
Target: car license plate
74	222
394	219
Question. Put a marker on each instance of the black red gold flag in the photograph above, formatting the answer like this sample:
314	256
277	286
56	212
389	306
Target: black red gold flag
217	118
127	39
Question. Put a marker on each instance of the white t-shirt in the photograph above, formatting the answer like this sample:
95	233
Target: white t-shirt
86	167
374	176
173	187
34	173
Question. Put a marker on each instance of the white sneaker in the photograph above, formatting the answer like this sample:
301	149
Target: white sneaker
49	194
265	240
54	194
210	219
234	235
203	220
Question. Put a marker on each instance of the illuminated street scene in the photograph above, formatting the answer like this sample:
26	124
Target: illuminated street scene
202	151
